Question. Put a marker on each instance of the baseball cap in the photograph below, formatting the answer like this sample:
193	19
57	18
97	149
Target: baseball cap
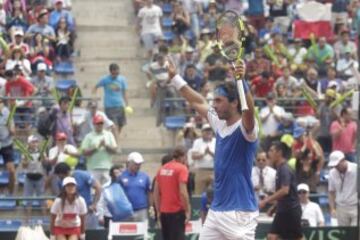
189	125
98	119
19	32
61	136
41	66
206	126
68	180
189	49
135	157
32	138
58	1
332	84
288	116
298	132
43	12
303	187
335	157
205	31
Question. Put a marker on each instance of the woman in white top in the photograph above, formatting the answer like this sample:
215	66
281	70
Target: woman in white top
17	58
68	213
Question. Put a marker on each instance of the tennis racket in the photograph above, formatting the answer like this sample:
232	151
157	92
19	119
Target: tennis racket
231	35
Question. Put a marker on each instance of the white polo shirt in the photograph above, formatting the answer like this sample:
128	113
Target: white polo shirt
312	212
200	146
344	185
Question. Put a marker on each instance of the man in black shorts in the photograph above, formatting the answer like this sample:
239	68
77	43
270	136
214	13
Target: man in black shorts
6	144
287	221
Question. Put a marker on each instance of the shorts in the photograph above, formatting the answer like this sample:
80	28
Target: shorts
101	175
149	40
67	231
7	153
117	115
287	224
229	225
32	187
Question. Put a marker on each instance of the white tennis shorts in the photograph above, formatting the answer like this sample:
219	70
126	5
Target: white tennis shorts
230	225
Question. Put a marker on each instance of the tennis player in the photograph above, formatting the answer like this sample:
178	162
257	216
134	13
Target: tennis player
234	209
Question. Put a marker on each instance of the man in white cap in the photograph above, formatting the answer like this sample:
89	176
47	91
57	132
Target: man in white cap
137	186
43	83
202	153
343	196
19	41
312	215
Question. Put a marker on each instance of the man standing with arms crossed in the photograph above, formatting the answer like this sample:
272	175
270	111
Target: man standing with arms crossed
233	212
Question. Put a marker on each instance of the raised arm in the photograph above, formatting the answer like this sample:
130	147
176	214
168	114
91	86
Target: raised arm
194	98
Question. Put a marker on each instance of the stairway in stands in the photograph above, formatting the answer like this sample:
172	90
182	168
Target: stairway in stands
106	33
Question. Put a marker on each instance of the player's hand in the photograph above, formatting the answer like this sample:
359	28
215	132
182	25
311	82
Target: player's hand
240	69
262	204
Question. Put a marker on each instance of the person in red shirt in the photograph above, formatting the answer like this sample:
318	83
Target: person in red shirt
17	86
343	132
171	196
263	84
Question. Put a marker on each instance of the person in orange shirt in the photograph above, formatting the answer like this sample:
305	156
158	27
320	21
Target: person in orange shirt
171	196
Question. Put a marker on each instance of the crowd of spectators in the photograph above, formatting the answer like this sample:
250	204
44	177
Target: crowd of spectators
298	85
280	69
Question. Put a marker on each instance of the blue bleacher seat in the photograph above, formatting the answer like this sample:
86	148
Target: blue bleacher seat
64	68
21	178
168	36
167	8
63	86
7	204
10	224
4	177
167	22
324	201
1	160
174	122
44	221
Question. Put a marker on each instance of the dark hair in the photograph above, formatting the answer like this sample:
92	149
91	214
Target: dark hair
179	152
163	49
231	91
111	171
62	168
63	196
165	159
113	66
282	147
344	110
64	99
9	74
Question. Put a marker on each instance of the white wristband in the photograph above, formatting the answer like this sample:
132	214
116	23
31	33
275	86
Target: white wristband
178	82
82	236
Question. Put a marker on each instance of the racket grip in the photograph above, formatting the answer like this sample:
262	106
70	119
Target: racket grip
242	96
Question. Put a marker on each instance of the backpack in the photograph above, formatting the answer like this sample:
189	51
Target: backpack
46	123
117	202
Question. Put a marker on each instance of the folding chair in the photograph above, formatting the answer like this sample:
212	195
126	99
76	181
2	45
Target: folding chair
128	229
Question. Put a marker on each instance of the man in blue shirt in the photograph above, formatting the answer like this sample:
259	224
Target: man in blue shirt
234	209
60	12
137	186
115	97
84	184
41	27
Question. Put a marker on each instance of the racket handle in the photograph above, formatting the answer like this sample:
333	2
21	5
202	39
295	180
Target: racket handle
242	96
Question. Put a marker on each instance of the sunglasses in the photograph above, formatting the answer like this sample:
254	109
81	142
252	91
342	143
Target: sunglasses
302	192
261	160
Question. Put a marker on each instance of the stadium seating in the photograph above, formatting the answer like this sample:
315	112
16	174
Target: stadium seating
175	122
